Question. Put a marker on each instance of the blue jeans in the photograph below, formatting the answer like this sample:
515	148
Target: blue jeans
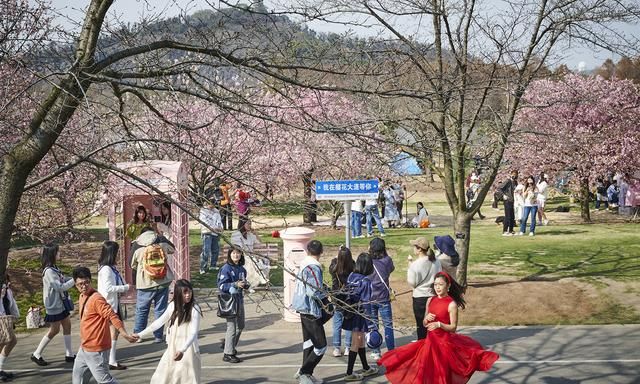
210	251
523	222
372	213
356	223
337	331
384	308
159	297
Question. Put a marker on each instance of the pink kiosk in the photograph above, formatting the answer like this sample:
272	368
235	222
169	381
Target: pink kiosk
294	244
167	177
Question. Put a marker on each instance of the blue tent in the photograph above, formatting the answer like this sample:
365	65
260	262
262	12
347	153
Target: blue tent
405	164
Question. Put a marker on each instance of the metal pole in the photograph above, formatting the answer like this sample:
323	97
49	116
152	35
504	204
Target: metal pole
347	218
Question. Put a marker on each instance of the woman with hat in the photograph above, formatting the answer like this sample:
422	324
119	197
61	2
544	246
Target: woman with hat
357	318
444	356
446	253
420	277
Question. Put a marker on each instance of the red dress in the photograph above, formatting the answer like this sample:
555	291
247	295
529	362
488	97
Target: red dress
441	358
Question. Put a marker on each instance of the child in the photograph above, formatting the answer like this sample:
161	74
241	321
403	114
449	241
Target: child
233	279
443	353
359	291
54	290
340	269
180	363
8	307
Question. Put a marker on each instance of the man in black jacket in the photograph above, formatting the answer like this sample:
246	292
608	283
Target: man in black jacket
507	188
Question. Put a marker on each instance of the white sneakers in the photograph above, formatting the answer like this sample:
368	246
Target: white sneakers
346	351
375	356
370	372
336	352
307	379
531	234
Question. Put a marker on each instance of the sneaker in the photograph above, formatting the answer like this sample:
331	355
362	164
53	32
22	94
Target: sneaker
70	359
353	377
546	222
202	272
520	234
296	376
346	351
382	235
531	234
507	234
305	379
158	340
539	223
375	356
336	352
369	234
6	376
372	371
39	360
231	359
316	380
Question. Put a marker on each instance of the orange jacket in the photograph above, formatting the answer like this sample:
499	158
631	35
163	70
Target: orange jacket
97	314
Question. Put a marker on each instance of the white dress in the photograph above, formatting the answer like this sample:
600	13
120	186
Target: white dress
183	337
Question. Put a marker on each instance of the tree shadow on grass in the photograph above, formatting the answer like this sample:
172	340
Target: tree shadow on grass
586	266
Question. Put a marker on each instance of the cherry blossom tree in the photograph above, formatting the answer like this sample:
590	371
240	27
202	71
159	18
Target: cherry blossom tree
585	125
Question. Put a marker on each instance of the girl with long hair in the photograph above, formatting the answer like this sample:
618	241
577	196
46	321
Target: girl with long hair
530	194
359	299
110	286
54	290
233	279
444	356
139	222
381	292
180	363
340	269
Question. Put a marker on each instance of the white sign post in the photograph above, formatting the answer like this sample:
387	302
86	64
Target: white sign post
347	191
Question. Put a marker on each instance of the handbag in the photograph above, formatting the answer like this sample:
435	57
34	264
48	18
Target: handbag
6	329
227	305
67	303
34	317
392	293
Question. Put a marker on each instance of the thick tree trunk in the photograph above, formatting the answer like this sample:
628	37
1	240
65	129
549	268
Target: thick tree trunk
310	207
462	234
585	211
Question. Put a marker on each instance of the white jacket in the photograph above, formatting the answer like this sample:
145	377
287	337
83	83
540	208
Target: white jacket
109	288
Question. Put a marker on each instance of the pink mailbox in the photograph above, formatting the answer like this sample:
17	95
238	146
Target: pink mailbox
168	179
294	243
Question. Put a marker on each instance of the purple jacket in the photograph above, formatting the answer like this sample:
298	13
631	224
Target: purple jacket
379	292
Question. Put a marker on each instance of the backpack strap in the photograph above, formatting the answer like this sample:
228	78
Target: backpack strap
85	304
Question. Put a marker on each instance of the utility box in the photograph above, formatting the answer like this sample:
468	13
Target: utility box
294	241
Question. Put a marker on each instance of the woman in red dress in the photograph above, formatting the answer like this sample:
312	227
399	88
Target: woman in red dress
444	357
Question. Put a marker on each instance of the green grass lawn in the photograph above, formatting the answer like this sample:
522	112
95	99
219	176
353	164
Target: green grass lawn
606	250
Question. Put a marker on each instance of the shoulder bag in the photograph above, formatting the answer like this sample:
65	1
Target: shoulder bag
392	293
227	305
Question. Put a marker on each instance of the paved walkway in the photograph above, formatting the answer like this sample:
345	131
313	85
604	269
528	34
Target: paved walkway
271	350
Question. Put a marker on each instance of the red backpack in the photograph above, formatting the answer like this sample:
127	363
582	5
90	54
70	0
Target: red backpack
154	261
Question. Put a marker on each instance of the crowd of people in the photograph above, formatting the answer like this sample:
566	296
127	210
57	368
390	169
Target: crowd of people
360	292
524	201
359	301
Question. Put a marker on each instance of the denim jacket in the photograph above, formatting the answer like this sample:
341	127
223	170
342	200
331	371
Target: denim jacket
309	291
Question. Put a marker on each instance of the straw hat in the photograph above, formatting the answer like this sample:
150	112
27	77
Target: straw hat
420	242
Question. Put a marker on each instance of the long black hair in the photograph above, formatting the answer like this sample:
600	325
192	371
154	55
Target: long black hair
49	255
364	264
109	253
135	215
165	219
377	248
455	289
182	310
344	262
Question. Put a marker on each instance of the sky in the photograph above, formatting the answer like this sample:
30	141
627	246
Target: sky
575	58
